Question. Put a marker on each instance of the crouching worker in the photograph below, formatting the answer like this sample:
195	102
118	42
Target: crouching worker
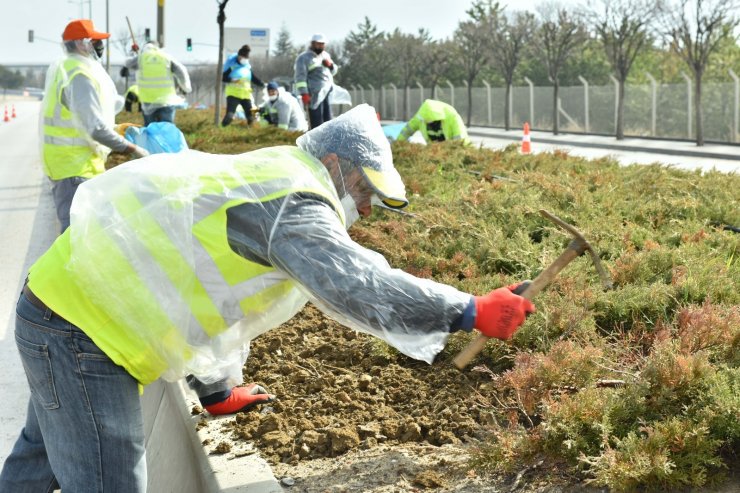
173	263
283	110
437	121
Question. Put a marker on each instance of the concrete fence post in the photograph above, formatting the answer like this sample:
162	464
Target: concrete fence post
395	101
407	107
452	93
653	104
688	102
362	93
585	103
488	103
511	105
736	104
372	96
531	101
354	94
421	93
616	100
382	100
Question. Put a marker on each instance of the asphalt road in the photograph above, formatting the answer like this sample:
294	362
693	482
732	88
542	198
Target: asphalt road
29	226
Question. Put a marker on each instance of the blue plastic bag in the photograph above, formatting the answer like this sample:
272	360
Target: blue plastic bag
158	137
392	130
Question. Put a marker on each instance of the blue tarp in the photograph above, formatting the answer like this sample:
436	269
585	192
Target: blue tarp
158	137
392	131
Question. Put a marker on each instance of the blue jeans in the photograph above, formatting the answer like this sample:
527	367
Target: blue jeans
84	430
321	114
63	192
163	114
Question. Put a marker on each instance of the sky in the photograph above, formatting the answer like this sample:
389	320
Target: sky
196	19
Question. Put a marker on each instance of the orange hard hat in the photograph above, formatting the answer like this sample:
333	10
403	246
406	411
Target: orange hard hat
81	29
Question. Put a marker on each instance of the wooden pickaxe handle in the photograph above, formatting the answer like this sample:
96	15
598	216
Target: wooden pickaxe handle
576	248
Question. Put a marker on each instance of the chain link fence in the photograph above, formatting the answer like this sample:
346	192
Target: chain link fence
650	110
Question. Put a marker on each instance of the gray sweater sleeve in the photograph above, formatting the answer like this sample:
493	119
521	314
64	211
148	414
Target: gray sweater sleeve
352	284
81	97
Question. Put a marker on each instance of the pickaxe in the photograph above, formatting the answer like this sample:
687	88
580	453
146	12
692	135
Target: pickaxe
577	247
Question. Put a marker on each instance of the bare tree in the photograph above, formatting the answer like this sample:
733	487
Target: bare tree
695	30
623	29
473	42
558	34
406	51
438	57
509	42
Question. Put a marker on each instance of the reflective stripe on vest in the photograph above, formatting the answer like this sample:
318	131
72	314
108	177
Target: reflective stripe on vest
67	149
154	78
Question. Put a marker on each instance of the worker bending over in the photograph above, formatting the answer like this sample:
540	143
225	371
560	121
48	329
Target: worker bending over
437	121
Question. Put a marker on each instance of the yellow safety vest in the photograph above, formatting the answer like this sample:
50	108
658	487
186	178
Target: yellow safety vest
67	149
241	88
136	272
155	79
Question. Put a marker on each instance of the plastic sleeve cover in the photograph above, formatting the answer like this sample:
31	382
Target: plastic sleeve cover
182	77
356	286
81	97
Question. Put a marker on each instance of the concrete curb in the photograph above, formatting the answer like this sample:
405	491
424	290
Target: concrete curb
178	461
631	145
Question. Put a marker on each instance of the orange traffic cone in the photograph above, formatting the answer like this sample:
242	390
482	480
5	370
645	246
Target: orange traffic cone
526	142
13	115
6	119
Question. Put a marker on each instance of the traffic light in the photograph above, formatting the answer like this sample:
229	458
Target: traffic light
190	44
30	35
147	34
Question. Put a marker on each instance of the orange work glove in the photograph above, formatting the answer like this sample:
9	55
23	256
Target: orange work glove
327	63
501	312
241	399
306	98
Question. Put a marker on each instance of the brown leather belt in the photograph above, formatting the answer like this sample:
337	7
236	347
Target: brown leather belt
35	301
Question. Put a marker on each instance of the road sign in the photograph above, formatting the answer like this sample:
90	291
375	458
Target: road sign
258	39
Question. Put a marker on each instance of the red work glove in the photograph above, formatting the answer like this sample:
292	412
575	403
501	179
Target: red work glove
327	63
306	98
134	47
241	399
501	312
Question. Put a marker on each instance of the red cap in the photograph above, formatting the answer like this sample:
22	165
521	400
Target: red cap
81	29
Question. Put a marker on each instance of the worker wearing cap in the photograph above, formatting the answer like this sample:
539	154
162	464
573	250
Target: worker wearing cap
239	77
79	107
314	80
159	76
284	110
437	121
175	262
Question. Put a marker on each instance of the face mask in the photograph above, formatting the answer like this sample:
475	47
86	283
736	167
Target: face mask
351	214
317	50
99	47
273	98
243	61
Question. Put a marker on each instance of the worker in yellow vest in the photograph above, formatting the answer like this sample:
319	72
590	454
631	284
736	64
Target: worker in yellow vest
79	107
174	263
437	122
239	77
159	76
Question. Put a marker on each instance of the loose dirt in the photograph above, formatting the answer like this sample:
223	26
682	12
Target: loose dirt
354	415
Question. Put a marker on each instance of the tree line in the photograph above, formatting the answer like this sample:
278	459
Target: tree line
554	45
